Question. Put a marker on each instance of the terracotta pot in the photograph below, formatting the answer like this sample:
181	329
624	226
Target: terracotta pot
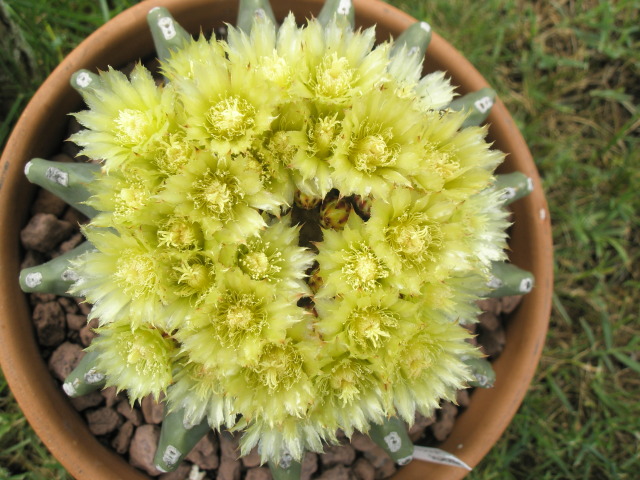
39	133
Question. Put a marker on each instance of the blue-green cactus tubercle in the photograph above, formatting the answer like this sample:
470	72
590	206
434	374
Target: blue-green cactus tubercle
167	34
252	10
66	180
508	279
56	276
477	104
341	10
177	438
414	40
483	374
286	469
516	185
85	378
392	436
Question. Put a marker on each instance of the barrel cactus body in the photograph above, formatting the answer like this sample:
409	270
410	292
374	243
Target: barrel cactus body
288	232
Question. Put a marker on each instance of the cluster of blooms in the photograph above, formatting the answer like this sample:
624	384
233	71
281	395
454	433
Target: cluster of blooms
199	278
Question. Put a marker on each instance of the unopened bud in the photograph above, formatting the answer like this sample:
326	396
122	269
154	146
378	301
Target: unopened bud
362	205
315	280
303	200
334	213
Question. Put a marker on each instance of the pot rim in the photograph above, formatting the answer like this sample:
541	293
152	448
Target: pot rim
46	407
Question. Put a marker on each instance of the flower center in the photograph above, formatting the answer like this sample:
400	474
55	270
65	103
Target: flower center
345	379
175	155
414	362
145	351
241	312
276	69
239	317
367	269
281	147
136	353
131	127
230	118
256	265
443	163
130	200
334	77
180	234
322	135
412	237
138	273
372	152
196	276
278	366
217	193
362	269
369	326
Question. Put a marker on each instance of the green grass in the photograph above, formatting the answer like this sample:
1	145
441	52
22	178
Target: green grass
568	70
47	31
22	454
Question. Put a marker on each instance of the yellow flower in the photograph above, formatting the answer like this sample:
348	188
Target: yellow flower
379	147
200	392
273	256
221	195
275	54
123	279
242	315
226	105
127	118
185	62
362	325
348	263
338	64
275	386
139	360
124	200
426	365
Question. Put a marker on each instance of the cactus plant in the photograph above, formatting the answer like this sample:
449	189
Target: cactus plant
225	261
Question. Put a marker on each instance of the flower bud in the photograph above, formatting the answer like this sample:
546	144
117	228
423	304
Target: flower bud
306	201
315	280
362	204
334	213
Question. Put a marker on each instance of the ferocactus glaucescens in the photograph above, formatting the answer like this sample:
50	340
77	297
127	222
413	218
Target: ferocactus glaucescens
207	269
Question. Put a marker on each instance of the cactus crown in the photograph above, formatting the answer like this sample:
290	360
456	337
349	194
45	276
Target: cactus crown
290	232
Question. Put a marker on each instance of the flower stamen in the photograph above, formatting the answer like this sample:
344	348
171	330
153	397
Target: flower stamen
230	118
